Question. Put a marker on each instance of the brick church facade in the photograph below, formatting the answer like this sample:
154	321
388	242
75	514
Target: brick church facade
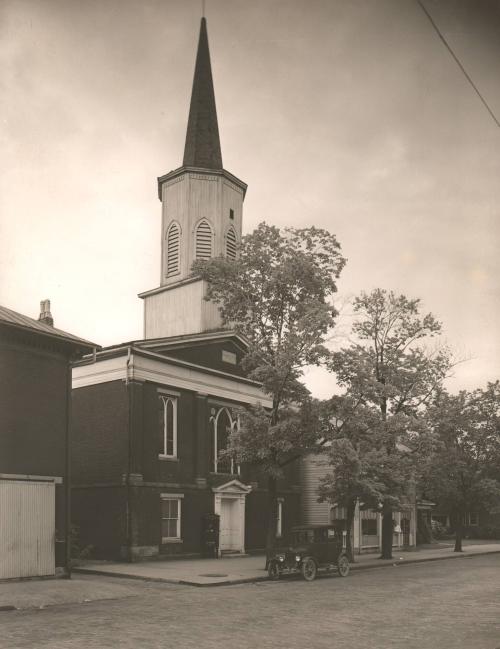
150	417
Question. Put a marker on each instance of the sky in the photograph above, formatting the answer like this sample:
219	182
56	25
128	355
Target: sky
347	115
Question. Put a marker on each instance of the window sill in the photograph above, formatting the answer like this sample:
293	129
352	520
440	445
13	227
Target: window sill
166	541
169	458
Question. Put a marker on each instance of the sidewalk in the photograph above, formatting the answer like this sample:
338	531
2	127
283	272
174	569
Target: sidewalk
41	593
237	570
85	587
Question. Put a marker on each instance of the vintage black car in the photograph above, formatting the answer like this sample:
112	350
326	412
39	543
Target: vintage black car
311	548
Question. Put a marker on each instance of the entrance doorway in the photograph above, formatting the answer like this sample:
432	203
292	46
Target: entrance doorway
229	504
405	528
229	534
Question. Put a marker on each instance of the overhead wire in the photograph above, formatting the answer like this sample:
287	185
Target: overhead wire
464	71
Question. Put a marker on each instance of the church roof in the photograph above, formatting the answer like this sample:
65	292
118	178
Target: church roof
217	335
202	147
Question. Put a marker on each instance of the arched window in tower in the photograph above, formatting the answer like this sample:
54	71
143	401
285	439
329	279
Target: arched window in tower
203	240
231	244
223	423
173	249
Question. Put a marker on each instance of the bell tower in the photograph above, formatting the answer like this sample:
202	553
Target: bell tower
202	207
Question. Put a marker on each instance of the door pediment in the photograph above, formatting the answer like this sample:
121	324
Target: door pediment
233	488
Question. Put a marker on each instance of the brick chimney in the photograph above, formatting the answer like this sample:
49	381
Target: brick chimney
45	314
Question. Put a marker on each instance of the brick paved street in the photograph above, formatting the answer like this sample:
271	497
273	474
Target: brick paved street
438	605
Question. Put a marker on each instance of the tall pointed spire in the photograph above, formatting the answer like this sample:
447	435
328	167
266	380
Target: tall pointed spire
202	147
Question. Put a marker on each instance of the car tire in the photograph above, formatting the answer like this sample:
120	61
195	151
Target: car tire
273	570
309	569
343	566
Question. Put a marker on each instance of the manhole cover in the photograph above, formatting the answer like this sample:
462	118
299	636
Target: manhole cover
213	574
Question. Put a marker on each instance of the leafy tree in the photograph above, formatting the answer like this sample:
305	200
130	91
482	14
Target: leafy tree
278	294
347	430
361	467
464	472
389	376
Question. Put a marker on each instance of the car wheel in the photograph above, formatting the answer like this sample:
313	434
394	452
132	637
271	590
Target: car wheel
273	570
343	565
309	569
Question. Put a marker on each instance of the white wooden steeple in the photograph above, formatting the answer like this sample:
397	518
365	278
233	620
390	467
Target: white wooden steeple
202	206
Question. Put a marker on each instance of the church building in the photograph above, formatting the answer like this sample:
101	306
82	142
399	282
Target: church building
150	417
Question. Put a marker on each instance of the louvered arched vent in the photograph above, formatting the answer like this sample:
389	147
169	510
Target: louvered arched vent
231	244
203	240
173	249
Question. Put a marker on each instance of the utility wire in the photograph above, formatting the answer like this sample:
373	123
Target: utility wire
485	103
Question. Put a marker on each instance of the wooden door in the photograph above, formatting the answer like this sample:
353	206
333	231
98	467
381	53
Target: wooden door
405	529
229	531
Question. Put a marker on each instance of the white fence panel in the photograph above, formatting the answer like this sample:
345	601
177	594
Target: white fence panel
27	529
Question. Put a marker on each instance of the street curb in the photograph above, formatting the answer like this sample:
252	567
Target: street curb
230	582
123	575
166	580
402	562
248	580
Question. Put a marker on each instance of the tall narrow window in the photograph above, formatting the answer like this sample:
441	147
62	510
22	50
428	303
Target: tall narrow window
223	423
279	518
170	517
167	429
231	244
173	249
203	240
338	513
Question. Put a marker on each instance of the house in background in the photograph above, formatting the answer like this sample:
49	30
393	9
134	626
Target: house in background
367	526
35	393
480	522
152	416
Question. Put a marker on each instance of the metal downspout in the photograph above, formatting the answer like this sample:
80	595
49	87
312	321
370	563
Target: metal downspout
67	484
129	456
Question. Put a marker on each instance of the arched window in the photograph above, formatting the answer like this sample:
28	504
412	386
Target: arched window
222	425
173	249
231	244
167	428
203	240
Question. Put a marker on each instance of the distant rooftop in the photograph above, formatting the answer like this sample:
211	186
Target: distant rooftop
23	322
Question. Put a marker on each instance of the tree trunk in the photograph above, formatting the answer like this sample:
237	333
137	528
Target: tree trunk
351	508
271	517
387	526
387	532
459	532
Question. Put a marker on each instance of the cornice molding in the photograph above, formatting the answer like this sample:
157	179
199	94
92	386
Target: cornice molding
169	287
181	171
147	366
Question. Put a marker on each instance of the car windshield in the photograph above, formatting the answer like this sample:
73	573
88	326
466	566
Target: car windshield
320	535
300	537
